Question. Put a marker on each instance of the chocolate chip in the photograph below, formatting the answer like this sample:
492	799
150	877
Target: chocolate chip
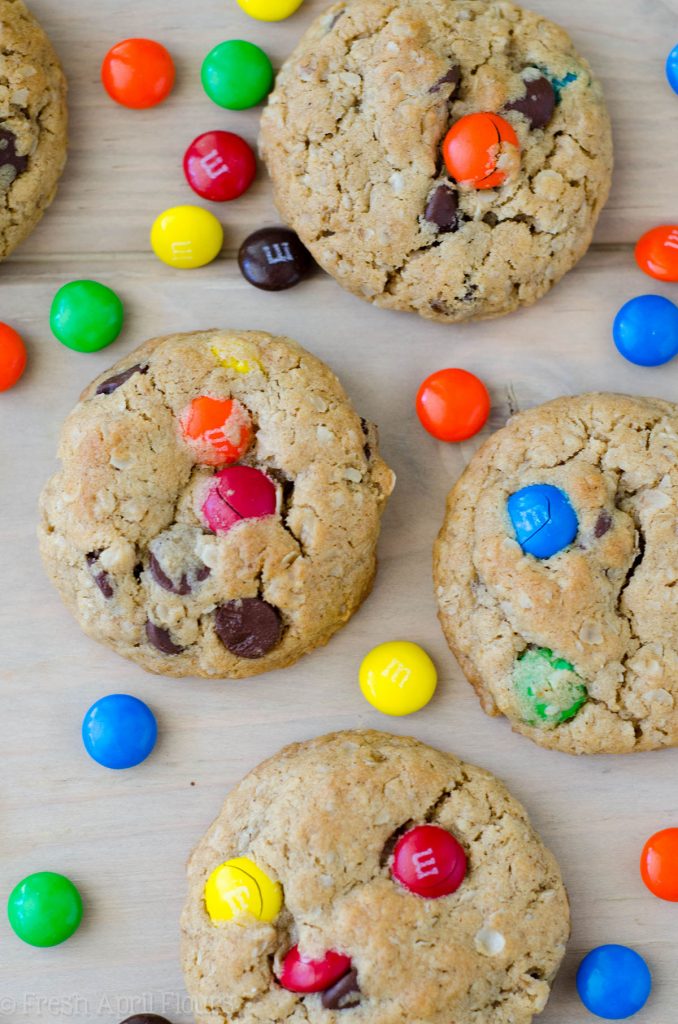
160	639
442	209
248	627
137	571
343	994
92	556
453	76
111	384
202	573
163	580
537	104
603	523
9	157
273	259
103	582
366	431
145	1018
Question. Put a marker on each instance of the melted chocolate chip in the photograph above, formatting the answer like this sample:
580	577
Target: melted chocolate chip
103	582
453	76
202	573
145	1018
538	103
273	259
162	579
442	209
9	157
343	994
111	384
161	639
603	524
248	627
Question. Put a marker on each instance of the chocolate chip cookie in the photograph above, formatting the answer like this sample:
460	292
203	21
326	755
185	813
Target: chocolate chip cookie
353	136
33	121
218	505
555	572
367	877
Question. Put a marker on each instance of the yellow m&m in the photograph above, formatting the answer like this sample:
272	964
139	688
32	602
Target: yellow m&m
398	677
186	237
237	888
269	10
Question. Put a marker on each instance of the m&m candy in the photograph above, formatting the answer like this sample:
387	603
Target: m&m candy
218	430
238	493
186	237
219	166
398	677
613	982
672	68
657	252
547	688
273	259
239	887
301	974
659	864
543	519
86	316
44	909
138	73
269	10
119	731
481	150
237	75
428	861
12	357
453	405
645	330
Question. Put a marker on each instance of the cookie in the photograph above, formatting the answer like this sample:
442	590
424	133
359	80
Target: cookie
218	505
351	902
555	571
33	121
353	133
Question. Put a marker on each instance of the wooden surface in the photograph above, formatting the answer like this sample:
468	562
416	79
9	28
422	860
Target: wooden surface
124	837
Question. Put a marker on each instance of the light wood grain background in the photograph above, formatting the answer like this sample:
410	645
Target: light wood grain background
124	837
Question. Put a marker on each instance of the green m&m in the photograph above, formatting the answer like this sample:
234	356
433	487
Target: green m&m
44	909
237	75
86	316
547	688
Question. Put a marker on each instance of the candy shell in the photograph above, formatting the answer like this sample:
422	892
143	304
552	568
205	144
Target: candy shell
219	166
239	888
645	330
119	731
12	357
477	147
659	864
301	974
453	404
218	430
657	252
44	909
398	677
613	982
237	493
428	861
543	519
186	237
138	73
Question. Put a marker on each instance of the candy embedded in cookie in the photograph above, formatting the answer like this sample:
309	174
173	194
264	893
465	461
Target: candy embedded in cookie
237	493
429	861
303	974
481	151
547	688
218	430
238	888
543	519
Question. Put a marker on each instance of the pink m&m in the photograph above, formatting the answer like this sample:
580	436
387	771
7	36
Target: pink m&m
301	974
429	861
237	493
219	166
657	252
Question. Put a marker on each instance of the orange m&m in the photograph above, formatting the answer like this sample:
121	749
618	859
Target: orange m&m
452	404
219	430
480	149
138	73
659	864
657	252
12	357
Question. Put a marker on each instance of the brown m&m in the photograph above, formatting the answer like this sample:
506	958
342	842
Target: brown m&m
273	259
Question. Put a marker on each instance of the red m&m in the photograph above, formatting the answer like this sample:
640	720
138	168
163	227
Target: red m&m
429	861
219	430
481	150
657	252
301	974
659	864
453	404
138	73
219	166
237	493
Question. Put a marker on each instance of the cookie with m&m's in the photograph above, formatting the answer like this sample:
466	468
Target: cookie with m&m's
555	573
218	505
362	876
444	159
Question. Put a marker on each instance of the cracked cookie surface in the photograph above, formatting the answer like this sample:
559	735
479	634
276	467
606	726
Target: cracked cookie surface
352	139
321	818
33	121
125	541
601	613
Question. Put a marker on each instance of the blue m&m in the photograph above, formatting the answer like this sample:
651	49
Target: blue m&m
672	68
645	330
119	731
613	982
543	519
